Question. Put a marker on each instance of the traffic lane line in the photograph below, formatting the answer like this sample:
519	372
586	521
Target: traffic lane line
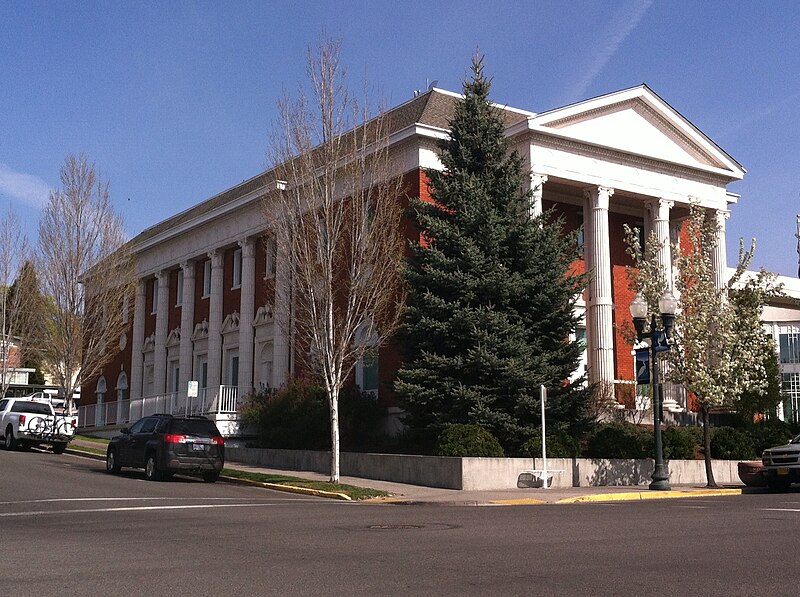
149	508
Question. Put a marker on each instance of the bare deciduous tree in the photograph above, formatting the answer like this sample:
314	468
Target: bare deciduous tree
16	311
337	221
86	273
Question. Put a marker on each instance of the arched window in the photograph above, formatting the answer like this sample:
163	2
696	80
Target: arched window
122	386
100	394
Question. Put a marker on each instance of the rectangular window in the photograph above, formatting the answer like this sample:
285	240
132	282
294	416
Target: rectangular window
207	279
179	289
789	345
272	257
581	234
237	268
369	372
125	307
791	396
155	296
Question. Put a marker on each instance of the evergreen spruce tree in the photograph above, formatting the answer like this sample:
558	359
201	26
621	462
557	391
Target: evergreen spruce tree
491	294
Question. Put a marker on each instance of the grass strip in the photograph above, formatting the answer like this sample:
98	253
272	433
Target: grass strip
90	449
353	492
90	438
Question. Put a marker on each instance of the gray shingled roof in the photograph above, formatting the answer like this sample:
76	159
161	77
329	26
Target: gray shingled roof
432	108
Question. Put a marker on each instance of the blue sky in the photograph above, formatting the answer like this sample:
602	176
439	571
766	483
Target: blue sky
174	100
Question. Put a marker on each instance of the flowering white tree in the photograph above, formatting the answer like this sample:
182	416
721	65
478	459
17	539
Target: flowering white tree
718	343
337	221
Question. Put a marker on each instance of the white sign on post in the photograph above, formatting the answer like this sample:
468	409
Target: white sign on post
543	391
193	389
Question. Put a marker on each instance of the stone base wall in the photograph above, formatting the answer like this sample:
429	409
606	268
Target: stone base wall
483	473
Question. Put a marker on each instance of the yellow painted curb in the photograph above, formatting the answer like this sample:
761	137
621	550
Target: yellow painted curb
649	495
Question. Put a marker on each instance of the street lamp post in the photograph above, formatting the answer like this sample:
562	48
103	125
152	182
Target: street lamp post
659	342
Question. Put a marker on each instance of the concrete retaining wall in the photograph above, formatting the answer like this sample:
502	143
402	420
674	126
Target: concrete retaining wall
483	473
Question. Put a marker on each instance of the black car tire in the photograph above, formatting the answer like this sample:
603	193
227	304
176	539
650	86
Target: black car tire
151	472
211	477
10	442
112	464
59	447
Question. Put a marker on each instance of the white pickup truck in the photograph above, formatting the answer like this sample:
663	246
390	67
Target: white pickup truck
32	421
782	465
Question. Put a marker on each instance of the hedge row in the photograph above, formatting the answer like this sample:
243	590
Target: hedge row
625	440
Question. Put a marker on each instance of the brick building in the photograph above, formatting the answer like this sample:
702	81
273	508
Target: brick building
206	300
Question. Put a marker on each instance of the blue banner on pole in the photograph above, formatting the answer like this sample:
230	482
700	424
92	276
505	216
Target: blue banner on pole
643	366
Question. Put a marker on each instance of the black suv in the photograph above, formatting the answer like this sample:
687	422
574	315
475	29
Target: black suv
165	444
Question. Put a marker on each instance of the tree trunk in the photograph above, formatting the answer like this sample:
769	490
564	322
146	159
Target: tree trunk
707	448
334	411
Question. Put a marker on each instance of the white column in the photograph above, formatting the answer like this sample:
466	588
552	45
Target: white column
719	257
246	314
537	188
215	322
659	217
283	319
137	340
599	301
162	321
187	324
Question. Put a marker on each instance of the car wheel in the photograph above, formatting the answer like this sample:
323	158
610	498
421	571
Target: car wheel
59	448
211	477
112	464
151	472
10	442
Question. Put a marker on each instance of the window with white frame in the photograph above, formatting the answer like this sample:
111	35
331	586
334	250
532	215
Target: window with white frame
271	257
237	268
207	279
179	289
789	347
155	296
367	367
791	396
125	307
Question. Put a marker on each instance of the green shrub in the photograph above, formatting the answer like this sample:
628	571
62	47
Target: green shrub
467	440
297	417
731	444
620	440
559	445
679	443
767	434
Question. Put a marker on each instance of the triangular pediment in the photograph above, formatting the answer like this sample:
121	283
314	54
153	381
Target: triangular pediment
639	122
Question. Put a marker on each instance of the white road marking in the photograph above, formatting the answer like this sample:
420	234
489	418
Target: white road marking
780	509
142	508
119	499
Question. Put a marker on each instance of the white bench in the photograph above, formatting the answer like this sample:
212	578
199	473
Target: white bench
535	478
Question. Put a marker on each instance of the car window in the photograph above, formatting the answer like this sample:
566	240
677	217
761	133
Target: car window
149	425
137	426
3	405
25	406
199	427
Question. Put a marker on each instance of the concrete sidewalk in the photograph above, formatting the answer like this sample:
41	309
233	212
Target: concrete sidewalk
417	494
402	493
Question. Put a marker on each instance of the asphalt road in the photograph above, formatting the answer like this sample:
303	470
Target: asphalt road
69	528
